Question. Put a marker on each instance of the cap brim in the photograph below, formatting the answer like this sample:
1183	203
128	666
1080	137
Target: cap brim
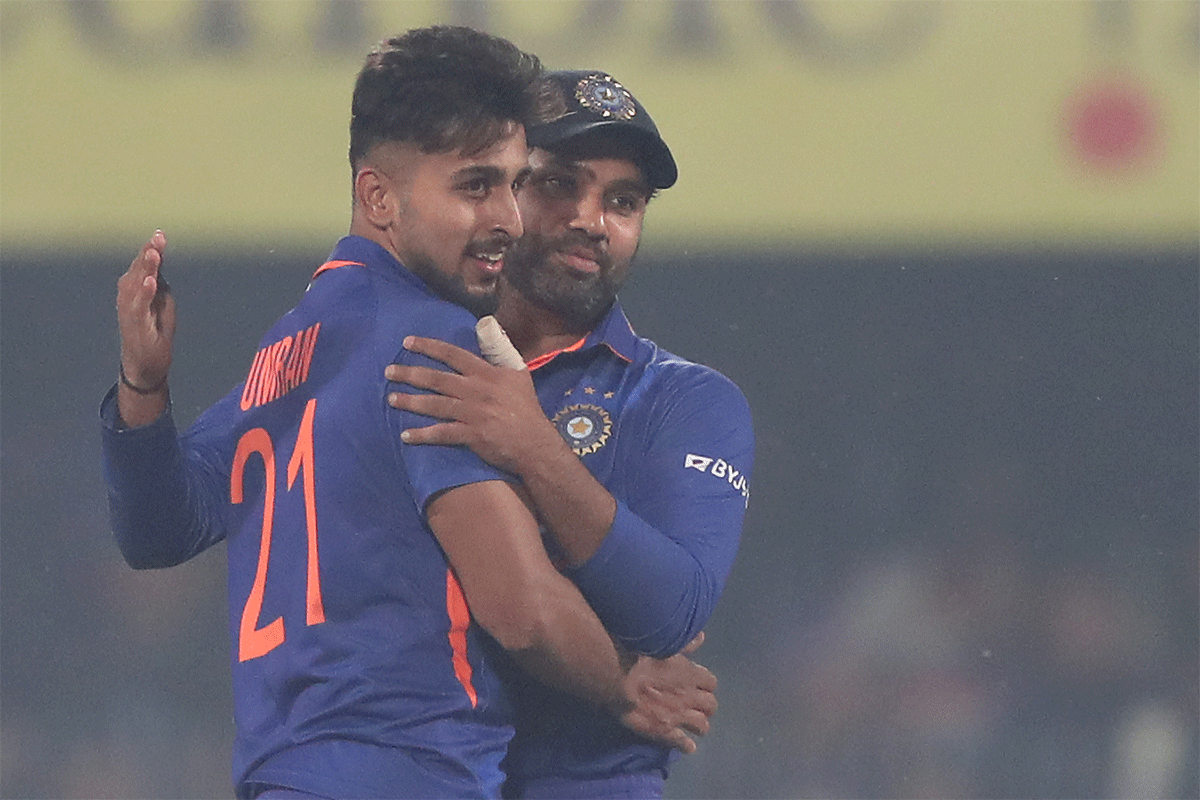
655	157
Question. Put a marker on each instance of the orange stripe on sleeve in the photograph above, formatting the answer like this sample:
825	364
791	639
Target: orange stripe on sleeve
460	619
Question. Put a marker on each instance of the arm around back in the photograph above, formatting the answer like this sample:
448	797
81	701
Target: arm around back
517	596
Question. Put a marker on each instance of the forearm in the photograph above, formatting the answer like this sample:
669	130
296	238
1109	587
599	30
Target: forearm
662	700
652	593
154	512
570	650
573	505
519	598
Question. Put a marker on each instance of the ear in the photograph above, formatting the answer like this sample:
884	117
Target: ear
375	196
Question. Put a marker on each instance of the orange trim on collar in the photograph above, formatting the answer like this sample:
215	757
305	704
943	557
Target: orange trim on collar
328	265
545	358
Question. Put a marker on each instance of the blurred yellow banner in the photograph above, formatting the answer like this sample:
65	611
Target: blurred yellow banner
834	123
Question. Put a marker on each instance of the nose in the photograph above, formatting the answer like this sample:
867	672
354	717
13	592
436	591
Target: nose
589	216
507	216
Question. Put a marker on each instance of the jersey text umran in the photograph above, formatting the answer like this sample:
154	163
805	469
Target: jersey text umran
280	367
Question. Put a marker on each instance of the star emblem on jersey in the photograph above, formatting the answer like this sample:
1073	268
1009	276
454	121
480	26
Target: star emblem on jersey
602	95
584	427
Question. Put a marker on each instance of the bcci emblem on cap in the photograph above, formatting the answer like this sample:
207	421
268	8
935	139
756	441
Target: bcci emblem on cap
602	94
593	101
584	427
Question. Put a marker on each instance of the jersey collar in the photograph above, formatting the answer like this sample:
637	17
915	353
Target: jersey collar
613	332
361	251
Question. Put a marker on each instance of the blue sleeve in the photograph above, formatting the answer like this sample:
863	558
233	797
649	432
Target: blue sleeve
432	469
165	492
658	574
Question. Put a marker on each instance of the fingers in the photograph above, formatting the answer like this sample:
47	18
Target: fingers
697	675
495	345
668	726
427	405
146	321
704	705
700	700
430	405
454	357
705	679
444	433
427	378
690	710
673	736
682	742
147	292
696	723
694	644
150	257
149	261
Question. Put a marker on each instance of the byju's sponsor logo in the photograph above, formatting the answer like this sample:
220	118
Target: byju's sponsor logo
721	469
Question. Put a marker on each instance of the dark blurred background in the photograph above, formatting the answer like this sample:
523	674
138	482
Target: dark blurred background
970	563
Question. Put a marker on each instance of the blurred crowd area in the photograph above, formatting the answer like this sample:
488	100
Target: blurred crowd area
971	664
969	570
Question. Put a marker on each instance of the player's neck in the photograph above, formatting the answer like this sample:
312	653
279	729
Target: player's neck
362	227
533	330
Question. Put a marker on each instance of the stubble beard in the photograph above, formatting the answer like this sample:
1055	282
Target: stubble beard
453	288
580	301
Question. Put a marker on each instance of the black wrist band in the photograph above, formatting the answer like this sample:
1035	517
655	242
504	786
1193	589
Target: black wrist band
152	390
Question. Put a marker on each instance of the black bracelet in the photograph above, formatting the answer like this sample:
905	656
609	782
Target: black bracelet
152	390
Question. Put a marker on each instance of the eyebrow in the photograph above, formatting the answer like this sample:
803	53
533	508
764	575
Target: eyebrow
631	185
493	175
578	167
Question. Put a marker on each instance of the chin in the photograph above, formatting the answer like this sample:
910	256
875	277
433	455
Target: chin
481	304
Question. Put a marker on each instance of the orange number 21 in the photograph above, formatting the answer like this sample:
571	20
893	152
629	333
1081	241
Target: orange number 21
254	641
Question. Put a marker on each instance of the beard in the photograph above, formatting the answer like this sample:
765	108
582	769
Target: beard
580	300
453	288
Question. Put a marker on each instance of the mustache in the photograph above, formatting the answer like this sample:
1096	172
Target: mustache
580	241
497	243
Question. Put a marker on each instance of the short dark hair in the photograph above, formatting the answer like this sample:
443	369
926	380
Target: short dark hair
444	88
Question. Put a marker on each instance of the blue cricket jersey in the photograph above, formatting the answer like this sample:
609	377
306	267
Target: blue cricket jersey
357	670
673	442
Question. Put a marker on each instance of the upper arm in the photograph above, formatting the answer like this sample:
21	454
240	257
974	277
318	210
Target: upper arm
657	576
430	469
693	484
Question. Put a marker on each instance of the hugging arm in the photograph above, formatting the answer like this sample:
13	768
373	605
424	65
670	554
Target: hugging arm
653	567
492	541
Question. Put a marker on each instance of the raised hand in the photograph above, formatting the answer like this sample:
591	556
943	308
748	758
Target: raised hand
146	318
675	698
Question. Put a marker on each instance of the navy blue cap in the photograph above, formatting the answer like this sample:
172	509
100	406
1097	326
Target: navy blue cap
595	101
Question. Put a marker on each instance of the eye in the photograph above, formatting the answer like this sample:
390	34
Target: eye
627	202
556	185
477	188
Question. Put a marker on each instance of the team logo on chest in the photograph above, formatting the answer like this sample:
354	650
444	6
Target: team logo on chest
584	427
